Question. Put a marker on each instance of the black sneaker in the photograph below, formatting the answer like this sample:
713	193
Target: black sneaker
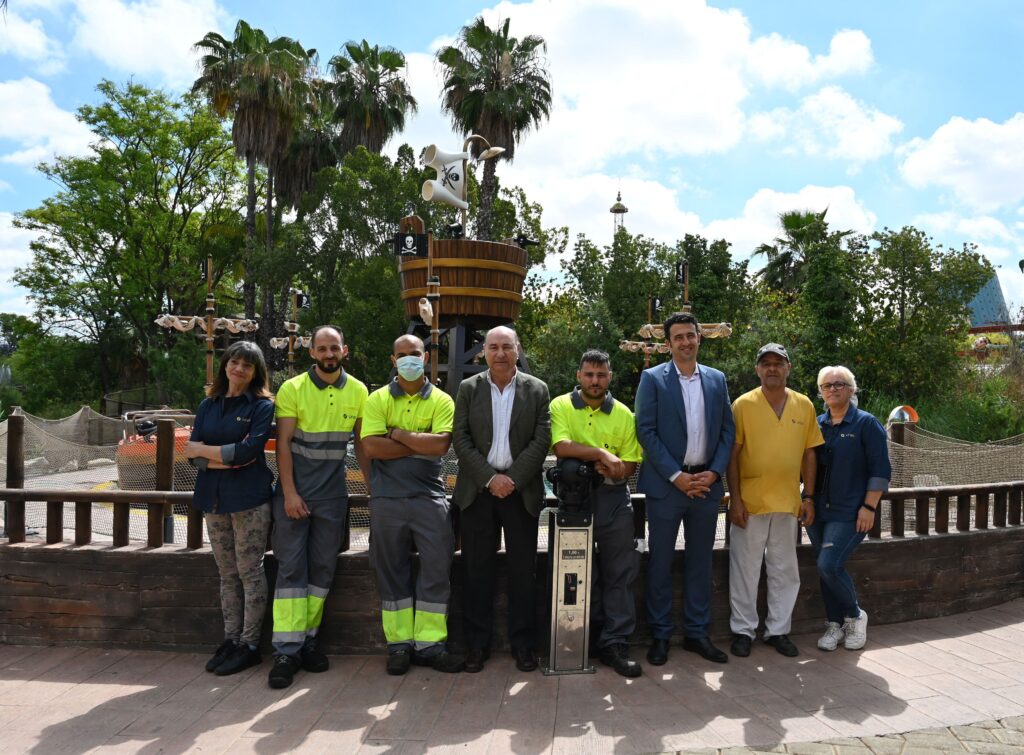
283	671
617	656
242	658
220	655
783	644
313	659
399	662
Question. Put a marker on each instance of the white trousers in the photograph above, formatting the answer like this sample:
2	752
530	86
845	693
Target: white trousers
768	538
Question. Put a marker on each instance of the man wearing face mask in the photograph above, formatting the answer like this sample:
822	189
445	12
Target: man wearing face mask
317	413
407	428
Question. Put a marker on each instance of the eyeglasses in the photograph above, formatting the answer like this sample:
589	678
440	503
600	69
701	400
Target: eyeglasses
833	386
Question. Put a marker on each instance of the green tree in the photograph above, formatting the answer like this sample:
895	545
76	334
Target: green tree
786	256
496	86
122	238
372	96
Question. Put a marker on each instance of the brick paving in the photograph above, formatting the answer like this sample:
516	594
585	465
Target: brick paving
954	684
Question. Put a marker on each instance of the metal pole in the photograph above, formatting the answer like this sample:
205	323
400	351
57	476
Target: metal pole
291	336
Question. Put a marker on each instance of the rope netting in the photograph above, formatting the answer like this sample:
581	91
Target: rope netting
93	452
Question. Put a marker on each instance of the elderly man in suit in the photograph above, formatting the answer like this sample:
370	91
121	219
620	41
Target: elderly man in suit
501	435
685	425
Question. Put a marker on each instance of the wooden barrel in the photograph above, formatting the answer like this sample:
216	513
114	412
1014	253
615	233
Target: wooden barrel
481	281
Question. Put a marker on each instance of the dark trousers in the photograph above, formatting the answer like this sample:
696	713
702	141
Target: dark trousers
615	568
833	544
480	524
699	517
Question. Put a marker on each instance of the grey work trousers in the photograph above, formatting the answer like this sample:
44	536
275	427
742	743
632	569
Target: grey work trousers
307	555
616	566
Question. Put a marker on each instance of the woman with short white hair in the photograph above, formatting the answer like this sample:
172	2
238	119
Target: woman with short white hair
853	473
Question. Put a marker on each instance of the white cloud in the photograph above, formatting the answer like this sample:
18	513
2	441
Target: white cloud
776	61
26	39
38	128
980	162
14	252
153	37
4	186
830	123
982	228
759	223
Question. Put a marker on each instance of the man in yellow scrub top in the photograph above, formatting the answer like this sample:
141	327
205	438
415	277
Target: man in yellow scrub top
318	412
407	429
776	433
588	424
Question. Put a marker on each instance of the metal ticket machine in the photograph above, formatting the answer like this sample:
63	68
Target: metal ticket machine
570	549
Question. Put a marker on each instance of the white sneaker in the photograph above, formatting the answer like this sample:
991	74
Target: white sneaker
833	636
856	631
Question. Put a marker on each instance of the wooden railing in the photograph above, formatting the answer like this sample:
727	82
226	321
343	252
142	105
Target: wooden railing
997	505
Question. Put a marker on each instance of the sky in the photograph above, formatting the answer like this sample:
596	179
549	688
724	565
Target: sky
709	117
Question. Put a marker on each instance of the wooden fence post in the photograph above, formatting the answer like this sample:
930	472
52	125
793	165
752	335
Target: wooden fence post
14	511
157	513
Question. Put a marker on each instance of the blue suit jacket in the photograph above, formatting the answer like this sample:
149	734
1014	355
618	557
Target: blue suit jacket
661	427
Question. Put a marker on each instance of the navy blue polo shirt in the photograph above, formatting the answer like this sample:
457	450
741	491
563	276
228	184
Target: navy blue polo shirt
853	460
240	426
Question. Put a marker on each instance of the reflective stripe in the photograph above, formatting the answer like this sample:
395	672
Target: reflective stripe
424	645
309	437
319	592
290	614
441	608
318	453
396	605
430	627
282	593
398	625
283	637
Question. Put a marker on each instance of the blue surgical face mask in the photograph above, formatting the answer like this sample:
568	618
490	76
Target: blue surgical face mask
410	367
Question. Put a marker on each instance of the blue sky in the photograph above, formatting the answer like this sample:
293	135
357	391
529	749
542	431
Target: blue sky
709	117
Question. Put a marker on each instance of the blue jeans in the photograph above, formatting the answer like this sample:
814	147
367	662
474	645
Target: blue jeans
833	542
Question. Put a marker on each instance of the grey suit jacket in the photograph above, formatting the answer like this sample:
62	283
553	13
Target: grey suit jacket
529	439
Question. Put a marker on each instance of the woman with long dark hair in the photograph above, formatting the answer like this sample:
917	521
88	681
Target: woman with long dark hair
233	490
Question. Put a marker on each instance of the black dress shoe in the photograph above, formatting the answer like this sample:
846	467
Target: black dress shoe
657	654
740	645
526	659
475	659
702	646
447	663
617	656
783	644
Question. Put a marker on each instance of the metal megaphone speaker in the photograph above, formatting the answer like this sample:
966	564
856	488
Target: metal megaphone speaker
434	191
450	184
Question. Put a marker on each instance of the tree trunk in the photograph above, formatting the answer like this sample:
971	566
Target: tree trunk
270	208
248	284
488	190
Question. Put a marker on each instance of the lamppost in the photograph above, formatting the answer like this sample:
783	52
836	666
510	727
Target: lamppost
208	324
299	301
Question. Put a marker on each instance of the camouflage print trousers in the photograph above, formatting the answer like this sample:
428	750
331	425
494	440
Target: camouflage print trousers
239	541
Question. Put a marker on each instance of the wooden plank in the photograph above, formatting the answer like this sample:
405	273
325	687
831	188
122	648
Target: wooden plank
54	522
897	517
942	514
14	512
922	508
981	511
194	534
963	513
122	510
999	513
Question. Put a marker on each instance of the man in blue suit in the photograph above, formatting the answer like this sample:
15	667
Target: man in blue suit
684	423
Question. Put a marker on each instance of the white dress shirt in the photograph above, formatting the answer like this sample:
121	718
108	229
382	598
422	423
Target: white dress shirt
500	455
696	435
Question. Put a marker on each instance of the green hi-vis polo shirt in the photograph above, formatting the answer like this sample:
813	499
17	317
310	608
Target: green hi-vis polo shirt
325	415
610	426
429	410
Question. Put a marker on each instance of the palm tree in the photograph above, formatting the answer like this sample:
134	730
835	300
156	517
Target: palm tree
372	96
787	255
496	86
261	84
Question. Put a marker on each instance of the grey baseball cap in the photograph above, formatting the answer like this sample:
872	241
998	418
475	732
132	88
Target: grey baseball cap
772	348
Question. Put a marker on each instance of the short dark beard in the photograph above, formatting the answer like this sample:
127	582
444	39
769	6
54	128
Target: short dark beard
328	370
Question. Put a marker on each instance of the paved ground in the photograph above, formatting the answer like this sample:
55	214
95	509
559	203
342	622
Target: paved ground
955	684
